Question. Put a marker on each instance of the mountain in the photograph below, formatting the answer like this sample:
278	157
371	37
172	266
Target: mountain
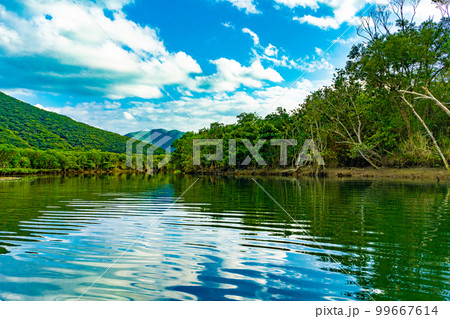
159	137
24	125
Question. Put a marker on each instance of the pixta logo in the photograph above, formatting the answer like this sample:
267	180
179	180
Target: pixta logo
308	153
150	142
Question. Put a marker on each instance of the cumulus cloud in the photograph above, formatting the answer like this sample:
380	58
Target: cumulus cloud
69	49
247	5
231	75
78	50
65	50
343	11
271	50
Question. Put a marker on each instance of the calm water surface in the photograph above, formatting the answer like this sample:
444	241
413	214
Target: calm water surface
225	239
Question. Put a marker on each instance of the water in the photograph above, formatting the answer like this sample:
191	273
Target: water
224	239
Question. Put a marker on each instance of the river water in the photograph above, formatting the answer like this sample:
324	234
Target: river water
171	237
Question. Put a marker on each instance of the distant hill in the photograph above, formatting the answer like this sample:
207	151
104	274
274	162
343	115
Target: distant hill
159	137
24	125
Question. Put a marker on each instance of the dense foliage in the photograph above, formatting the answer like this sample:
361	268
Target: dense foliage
27	160
387	107
24	125
65	160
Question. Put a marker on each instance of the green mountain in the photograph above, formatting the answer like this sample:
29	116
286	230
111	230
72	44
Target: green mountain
159	137
26	126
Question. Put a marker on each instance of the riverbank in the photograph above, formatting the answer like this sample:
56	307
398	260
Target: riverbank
6	173
421	173
416	173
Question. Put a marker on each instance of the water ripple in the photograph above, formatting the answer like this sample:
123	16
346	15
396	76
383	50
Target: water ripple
56	241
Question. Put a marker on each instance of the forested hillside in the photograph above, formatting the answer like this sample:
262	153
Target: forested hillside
32	140
24	125
388	107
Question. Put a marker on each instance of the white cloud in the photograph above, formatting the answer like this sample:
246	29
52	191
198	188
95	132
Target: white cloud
314	65
252	34
271	50
277	96
128	116
321	22
306	64
272	54
115	4
70	38
62	32
105	115
269	53
112	105
299	3
7	36
348	41
221	107
425	10
231	75
17	92
247	5
279	61
228	25
345	11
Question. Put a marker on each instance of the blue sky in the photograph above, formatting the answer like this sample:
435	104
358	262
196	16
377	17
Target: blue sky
125	65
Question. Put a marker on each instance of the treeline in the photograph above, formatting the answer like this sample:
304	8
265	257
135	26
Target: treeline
12	157
28	160
387	107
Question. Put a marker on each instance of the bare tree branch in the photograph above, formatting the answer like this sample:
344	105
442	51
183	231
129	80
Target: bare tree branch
428	131
429	96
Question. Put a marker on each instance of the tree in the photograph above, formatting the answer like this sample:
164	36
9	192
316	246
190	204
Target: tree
444	6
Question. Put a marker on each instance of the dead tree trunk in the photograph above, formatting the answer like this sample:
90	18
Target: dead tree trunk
429	133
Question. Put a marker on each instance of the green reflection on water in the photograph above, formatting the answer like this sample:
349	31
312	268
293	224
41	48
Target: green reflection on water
393	237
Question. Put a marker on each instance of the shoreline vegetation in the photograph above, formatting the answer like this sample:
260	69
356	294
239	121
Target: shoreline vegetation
413	173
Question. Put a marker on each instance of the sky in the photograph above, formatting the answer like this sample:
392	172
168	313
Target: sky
129	65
